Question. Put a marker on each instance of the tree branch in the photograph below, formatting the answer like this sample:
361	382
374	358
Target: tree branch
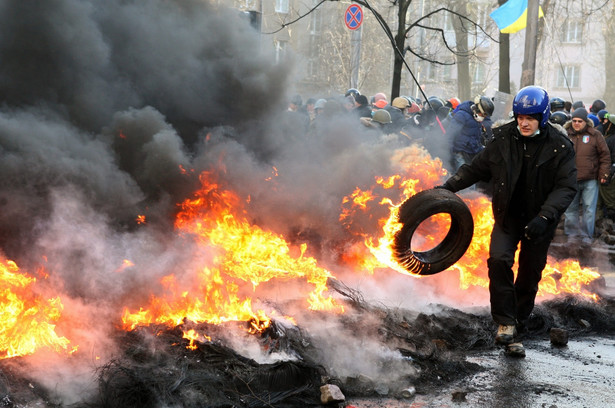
283	26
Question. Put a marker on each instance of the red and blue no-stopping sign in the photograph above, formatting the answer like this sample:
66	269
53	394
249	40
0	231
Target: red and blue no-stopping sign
353	16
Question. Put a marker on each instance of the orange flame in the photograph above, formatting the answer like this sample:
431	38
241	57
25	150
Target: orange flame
245	254
558	277
126	263
27	320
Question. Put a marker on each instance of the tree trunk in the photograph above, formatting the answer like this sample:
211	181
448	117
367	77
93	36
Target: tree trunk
464	82
400	43
398	66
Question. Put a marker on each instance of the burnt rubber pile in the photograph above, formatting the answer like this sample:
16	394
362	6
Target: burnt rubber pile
155	368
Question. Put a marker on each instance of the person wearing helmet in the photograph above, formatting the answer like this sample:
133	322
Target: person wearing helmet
381	120
593	161
353	92
379	97
559	118
453	103
382	116
397	110
362	108
319	115
348	102
468	127
557	104
530	165
604	121
379	104
434	103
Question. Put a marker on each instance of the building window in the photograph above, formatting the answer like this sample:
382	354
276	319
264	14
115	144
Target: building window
281	6
431	72
315	22
448	22
568	77
280	51
478	74
312	68
447	72
312	63
572	32
482	16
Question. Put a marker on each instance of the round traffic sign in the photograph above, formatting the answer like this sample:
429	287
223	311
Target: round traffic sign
353	16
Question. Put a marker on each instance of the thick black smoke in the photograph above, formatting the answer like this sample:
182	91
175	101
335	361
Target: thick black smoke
112	109
109	97
126	102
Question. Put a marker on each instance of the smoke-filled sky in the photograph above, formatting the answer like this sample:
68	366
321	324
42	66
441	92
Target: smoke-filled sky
111	109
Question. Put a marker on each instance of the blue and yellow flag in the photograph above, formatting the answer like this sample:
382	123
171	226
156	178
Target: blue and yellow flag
511	16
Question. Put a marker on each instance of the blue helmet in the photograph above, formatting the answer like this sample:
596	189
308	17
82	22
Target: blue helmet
532	100
594	119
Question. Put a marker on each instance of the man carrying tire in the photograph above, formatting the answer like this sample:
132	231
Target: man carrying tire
531	167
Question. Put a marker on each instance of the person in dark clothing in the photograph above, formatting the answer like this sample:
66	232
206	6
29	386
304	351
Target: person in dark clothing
362	108
397	110
603	117
606	200
468	128
530	165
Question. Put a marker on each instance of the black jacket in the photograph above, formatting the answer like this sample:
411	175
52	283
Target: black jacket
551	182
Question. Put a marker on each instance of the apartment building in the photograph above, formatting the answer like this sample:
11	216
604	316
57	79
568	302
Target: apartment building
571	54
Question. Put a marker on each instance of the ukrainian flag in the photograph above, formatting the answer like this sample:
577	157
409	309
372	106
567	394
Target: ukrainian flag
511	16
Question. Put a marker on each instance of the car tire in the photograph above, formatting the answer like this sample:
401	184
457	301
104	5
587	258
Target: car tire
417	209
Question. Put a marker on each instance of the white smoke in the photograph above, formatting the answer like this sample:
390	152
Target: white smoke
111	110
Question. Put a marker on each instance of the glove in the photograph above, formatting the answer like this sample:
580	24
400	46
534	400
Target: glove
537	227
446	186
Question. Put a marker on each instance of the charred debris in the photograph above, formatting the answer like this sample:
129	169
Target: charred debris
155	368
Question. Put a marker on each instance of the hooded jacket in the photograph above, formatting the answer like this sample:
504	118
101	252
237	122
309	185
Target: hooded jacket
551	181
593	158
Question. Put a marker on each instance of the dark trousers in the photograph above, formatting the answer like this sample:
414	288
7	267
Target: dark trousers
512	300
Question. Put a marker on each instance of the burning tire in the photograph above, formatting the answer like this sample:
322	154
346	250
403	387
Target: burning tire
417	209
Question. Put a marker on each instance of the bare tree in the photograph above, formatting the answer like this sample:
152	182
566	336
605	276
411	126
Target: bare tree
406	21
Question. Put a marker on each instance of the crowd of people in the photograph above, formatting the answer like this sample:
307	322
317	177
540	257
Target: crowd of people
467	127
550	160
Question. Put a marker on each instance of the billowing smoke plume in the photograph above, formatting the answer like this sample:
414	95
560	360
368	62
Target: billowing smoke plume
111	109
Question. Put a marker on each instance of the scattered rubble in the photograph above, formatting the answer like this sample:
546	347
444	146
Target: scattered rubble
331	393
155	368
559	337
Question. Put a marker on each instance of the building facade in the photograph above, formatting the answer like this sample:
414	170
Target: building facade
571	54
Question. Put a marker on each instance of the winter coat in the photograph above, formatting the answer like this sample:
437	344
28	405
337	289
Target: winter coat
551	181
593	157
465	131
363	111
398	120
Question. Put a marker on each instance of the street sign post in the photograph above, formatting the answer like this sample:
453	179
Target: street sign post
353	16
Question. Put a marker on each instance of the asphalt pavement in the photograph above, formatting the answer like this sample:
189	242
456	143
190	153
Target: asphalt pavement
582	374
